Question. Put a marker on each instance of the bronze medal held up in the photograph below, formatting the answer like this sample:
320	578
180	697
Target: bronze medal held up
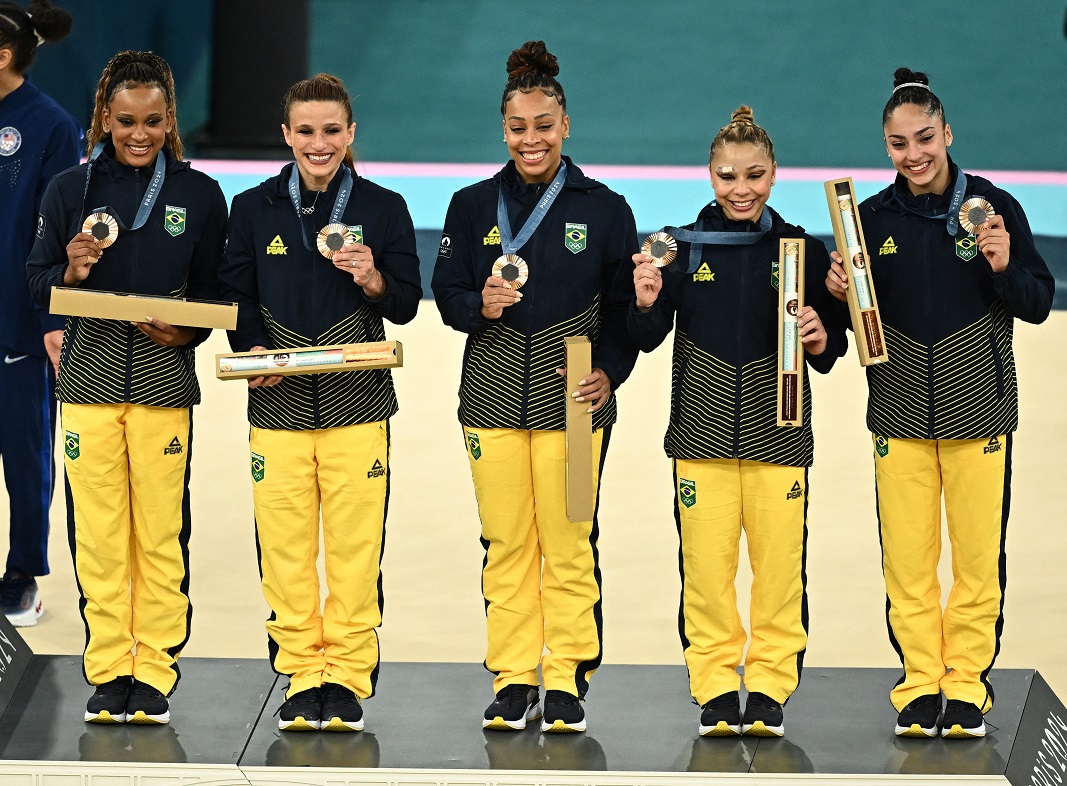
975	215
513	269
332	238
103	227
661	247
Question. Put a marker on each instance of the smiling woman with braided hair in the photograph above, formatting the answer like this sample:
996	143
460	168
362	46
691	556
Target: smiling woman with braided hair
127	390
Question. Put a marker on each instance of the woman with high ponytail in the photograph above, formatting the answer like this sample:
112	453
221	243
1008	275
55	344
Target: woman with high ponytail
38	140
565	239
960	266
127	390
321	441
735	468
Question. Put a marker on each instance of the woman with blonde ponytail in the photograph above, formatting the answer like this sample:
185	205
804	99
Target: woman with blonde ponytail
127	390
38	140
735	468
320	443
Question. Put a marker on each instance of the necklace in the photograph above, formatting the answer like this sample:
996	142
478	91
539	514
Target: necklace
307	211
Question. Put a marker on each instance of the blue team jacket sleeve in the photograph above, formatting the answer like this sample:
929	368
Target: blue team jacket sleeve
238	281
615	354
207	256
61	152
457	294
816	265
398	262
1025	285
48	258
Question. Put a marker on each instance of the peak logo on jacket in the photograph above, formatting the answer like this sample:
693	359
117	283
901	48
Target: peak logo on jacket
493	238
888	247
704	273
276	246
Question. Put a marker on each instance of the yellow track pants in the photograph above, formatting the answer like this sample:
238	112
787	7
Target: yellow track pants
343	471
950	650
715	499
127	477
541	575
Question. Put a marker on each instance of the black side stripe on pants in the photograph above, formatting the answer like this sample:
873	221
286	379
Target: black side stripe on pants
581	674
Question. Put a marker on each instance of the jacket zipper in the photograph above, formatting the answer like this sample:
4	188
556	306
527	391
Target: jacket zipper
131	287
738	353
928	228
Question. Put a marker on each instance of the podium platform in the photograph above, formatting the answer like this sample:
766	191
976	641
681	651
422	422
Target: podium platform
423	729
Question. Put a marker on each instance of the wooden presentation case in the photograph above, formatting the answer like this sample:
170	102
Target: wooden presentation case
309	360
790	348
866	319
77	302
579	360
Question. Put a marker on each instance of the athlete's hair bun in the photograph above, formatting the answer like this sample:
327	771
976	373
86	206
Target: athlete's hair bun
904	75
49	22
532	57
743	115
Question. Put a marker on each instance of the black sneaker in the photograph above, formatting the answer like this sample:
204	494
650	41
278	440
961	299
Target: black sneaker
108	703
147	705
20	599
341	710
721	717
919	718
513	706
302	711
963	720
563	712
763	717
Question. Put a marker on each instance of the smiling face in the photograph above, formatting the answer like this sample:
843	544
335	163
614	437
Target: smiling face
918	145
138	120
534	128
742	176
319	133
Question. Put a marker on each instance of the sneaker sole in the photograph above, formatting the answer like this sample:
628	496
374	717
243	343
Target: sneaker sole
142	718
299	724
27	618
104	717
721	729
500	724
760	729
336	724
915	730
957	732
560	727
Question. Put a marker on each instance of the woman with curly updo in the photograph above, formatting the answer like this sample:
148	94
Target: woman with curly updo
536	253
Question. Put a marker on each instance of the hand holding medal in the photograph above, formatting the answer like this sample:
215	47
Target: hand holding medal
358	260
658	251
978	218
84	250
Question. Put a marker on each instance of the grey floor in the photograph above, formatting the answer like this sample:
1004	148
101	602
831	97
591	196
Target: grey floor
640	719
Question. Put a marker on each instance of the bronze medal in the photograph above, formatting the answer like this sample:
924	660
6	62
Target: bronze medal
661	247
332	238
103	227
975	214
512	269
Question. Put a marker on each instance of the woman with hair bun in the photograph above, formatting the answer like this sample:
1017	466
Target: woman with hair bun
127	390
735	468
38	140
320	442
963	267
542	225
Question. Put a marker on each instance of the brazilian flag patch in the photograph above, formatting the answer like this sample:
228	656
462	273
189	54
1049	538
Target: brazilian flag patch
174	220
474	445
881	445
687	492
967	248
72	444
259	467
357	233
575	237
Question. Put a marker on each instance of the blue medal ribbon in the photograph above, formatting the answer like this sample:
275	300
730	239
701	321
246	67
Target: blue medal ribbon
340	202
511	246
952	222
699	238
144	210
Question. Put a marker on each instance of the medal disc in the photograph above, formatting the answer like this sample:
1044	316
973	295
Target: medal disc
512	269
332	238
103	227
661	247
975	214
